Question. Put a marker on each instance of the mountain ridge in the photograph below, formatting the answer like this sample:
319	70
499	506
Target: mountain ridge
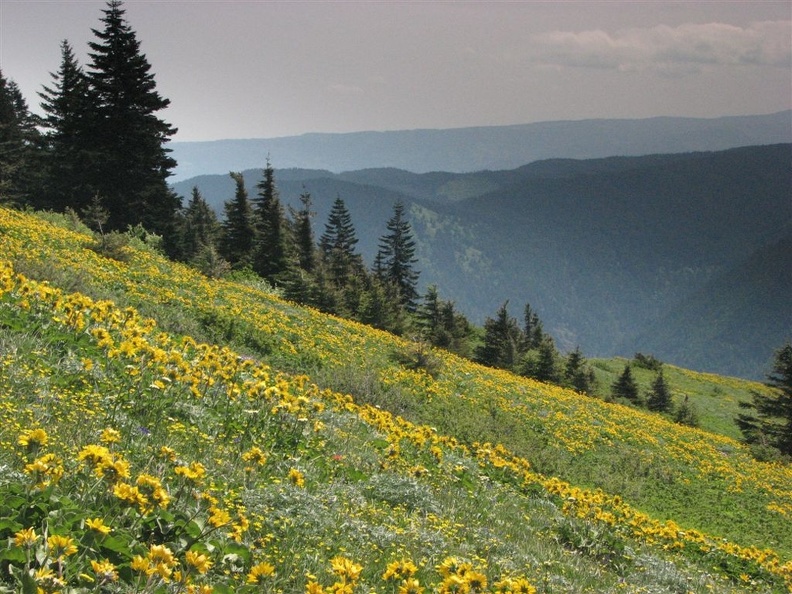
481	147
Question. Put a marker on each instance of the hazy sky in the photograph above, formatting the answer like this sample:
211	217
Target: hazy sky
244	69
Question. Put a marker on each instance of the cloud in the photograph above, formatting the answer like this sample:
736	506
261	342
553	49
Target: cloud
677	50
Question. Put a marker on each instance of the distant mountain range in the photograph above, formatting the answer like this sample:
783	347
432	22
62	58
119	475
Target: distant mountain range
475	149
685	256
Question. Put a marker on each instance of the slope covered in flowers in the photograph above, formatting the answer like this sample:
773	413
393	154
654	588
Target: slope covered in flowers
142	460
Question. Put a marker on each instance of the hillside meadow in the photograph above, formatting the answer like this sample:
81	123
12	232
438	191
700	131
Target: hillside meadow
163	432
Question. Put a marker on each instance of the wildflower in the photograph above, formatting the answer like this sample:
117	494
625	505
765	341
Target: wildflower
33	439
94	454
112	469
140	564
523	586
345	568
399	570
313	588
168	454
61	546
45	469
47	581
200	562
194	472
161	562
218	517
98	525
26	537
454	584
448	566
410	586
255	456
130	495
110	436
476	580
260	571
296	478
200	589
105	571
151	487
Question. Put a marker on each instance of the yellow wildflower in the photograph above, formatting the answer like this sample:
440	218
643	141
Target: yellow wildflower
200	562
98	525
26	537
33	439
218	517
296	478
410	586
105	571
194	472
61	546
399	570
346	568
260	571
110	436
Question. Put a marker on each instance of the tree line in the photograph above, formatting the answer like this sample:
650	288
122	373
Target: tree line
100	151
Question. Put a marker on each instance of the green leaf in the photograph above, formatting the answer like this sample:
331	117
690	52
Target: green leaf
28	584
13	554
116	544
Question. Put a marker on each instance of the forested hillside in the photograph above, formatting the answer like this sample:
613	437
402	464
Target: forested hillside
610	252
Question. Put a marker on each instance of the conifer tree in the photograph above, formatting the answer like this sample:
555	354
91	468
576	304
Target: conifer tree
686	414
19	141
625	386
533	332
659	397
546	368
303	234
396	257
337	245
768	418
199	227
270	258
239	229
379	307
502	338
69	153
577	374
441	325
131	171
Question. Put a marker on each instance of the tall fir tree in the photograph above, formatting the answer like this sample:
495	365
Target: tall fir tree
659	397
70	155
303	233
199	228
19	147
625	387
270	256
533	333
577	374
396	257
768	417
239	230
441	325
130	174
502	338
337	245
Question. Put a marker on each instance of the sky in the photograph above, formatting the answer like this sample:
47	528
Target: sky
263	69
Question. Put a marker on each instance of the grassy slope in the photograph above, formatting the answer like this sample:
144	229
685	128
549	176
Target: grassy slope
716	398
375	489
